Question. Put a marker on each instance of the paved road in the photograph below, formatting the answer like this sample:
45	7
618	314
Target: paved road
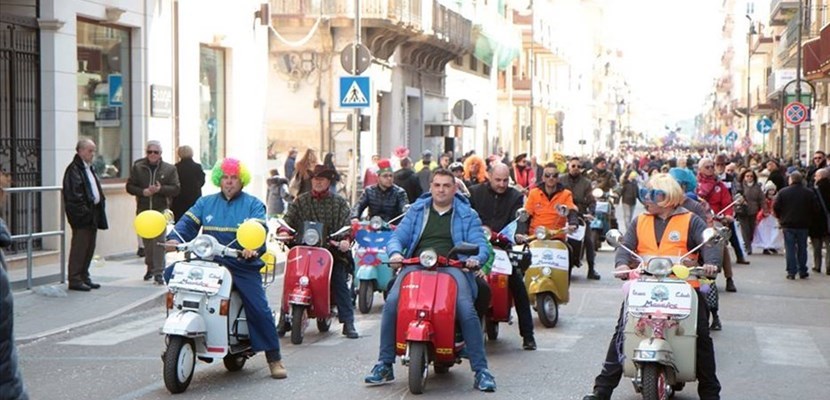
774	345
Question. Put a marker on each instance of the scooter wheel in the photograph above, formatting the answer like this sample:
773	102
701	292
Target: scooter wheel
297	324
179	361
548	309
655	383
234	362
418	367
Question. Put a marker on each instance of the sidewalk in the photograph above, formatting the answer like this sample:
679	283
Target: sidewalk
50	309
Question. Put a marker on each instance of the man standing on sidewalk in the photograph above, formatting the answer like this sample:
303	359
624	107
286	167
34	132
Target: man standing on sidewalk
796	206
85	211
154	183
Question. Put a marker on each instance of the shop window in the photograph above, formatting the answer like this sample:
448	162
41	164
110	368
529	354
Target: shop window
104	98
212	105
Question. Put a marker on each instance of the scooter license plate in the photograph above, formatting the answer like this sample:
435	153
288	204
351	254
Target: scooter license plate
668	298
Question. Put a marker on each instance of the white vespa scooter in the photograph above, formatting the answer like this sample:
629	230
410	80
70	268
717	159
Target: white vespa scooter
205	317
660	336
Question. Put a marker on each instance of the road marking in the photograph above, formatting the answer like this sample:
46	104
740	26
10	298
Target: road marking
562	343
784	346
119	333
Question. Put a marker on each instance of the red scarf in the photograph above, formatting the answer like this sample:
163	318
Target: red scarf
320	195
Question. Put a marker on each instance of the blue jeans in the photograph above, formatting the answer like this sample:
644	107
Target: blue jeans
465	314
795	247
340	292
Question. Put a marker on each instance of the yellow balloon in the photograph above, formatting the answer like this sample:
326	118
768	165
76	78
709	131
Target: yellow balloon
251	234
269	259
149	224
680	271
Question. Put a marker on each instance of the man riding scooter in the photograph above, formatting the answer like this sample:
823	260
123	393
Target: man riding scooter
385	199
666	229
605	180
219	215
332	211
496	204
541	206
580	188
438	220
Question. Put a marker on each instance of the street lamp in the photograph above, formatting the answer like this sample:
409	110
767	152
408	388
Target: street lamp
748	66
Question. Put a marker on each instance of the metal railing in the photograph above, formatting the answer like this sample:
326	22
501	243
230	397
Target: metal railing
29	199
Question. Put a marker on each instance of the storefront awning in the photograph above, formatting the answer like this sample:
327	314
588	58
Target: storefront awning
496	40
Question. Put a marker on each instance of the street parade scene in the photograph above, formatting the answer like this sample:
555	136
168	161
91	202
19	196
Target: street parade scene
450	199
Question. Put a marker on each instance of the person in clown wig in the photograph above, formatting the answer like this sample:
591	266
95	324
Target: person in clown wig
219	215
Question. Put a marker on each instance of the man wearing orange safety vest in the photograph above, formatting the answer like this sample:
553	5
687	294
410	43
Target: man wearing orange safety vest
666	229
542	201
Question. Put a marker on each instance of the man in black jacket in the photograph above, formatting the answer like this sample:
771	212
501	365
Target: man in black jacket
85	210
384	199
796	206
496	203
407	179
580	187
820	229
191	177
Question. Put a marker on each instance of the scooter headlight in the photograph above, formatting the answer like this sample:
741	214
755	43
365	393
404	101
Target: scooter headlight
546	271
541	233
659	266
303	281
429	258
203	246
311	237
488	233
376	223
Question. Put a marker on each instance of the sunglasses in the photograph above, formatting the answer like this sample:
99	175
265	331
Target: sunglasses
550	175
651	195
153	152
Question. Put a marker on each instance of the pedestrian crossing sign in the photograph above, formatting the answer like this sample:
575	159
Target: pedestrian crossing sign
354	92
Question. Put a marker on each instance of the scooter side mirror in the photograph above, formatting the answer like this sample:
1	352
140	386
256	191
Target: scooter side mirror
613	237
463	249
708	234
522	215
406	207
562	210
597	193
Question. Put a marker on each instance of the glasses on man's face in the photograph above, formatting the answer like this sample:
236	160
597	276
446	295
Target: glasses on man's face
547	175
574	166
153	152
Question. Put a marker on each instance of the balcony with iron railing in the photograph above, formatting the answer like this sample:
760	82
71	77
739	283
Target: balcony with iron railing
403	12
782	10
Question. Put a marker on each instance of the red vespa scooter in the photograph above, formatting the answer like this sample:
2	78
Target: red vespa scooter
306	290
506	261
426	327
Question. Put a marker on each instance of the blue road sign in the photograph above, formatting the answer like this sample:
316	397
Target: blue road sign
764	125
354	92
730	138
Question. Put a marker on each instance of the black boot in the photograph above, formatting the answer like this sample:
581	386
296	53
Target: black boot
730	285
716	325
350	331
592	274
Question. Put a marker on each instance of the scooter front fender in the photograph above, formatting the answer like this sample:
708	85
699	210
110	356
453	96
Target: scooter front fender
654	350
419	331
184	323
366	273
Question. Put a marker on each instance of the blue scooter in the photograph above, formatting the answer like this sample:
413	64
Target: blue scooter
372	271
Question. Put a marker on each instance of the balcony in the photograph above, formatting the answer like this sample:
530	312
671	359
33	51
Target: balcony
787	42
387	23
521	83
446	36
777	79
781	11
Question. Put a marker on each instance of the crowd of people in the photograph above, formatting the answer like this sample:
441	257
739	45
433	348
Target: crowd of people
769	205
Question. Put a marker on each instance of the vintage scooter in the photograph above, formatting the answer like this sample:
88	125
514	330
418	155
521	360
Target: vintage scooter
601	223
306	292
205	316
372	273
426	327
506	261
661	329
547	279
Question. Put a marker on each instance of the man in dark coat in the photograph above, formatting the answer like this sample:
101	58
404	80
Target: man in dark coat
819	162
408	180
85	210
796	206
191	179
11	380
820	229
776	175
290	161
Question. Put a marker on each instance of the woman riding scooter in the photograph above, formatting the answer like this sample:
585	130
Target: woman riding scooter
667	229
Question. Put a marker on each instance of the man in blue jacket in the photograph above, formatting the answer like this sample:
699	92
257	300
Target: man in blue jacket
438	220
219	215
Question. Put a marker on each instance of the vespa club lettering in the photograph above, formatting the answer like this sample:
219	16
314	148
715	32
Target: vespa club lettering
668	298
